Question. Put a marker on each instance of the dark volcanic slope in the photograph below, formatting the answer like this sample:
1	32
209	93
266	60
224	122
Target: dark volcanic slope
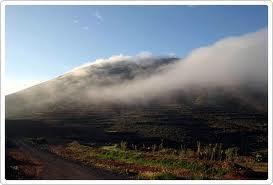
231	114
71	88
75	88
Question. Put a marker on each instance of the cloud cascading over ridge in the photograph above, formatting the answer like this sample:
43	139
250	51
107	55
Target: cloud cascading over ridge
230	61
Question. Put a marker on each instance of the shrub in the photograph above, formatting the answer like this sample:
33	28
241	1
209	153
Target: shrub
258	157
183	150
210	152
231	153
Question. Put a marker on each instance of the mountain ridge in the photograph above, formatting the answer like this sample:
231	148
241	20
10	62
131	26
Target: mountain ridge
97	84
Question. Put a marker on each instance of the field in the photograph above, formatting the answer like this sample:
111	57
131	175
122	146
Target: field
150	141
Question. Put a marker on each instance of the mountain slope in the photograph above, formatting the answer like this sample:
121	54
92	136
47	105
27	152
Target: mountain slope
73	86
107	82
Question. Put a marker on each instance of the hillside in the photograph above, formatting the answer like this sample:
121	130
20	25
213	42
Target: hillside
210	114
103	84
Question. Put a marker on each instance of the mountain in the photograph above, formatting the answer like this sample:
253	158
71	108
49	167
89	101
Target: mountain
215	94
72	86
109	82
138	100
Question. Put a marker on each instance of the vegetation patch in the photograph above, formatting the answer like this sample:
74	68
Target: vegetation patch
159	164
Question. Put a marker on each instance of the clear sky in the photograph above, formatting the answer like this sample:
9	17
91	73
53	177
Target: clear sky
43	42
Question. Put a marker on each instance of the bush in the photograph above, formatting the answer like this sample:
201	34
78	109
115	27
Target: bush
216	152
231	153
258	157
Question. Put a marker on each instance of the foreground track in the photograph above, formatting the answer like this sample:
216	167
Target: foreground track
56	168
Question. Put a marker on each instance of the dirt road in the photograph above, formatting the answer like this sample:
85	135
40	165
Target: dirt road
56	168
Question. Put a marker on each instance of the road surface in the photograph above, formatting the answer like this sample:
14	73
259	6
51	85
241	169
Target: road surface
57	168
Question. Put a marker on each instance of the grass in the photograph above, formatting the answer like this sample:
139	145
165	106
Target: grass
163	163
146	165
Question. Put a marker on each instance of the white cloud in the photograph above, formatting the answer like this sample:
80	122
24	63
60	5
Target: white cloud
144	54
79	71
12	86
229	62
232	61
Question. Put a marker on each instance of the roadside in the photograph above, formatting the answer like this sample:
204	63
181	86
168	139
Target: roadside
33	163
158	162
39	159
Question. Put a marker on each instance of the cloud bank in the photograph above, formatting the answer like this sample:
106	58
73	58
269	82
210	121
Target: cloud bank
231	61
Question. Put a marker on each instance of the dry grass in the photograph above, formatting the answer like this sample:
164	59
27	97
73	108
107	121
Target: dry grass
162	164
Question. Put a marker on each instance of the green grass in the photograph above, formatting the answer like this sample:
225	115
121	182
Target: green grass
166	162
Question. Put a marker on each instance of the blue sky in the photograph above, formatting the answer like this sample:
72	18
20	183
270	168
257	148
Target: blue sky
43	42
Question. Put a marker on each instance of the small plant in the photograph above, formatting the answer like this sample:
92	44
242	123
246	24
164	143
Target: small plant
123	145
220	152
198	149
183	150
213	152
231	153
154	148
135	147
210	152
161	146
258	157
143	147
